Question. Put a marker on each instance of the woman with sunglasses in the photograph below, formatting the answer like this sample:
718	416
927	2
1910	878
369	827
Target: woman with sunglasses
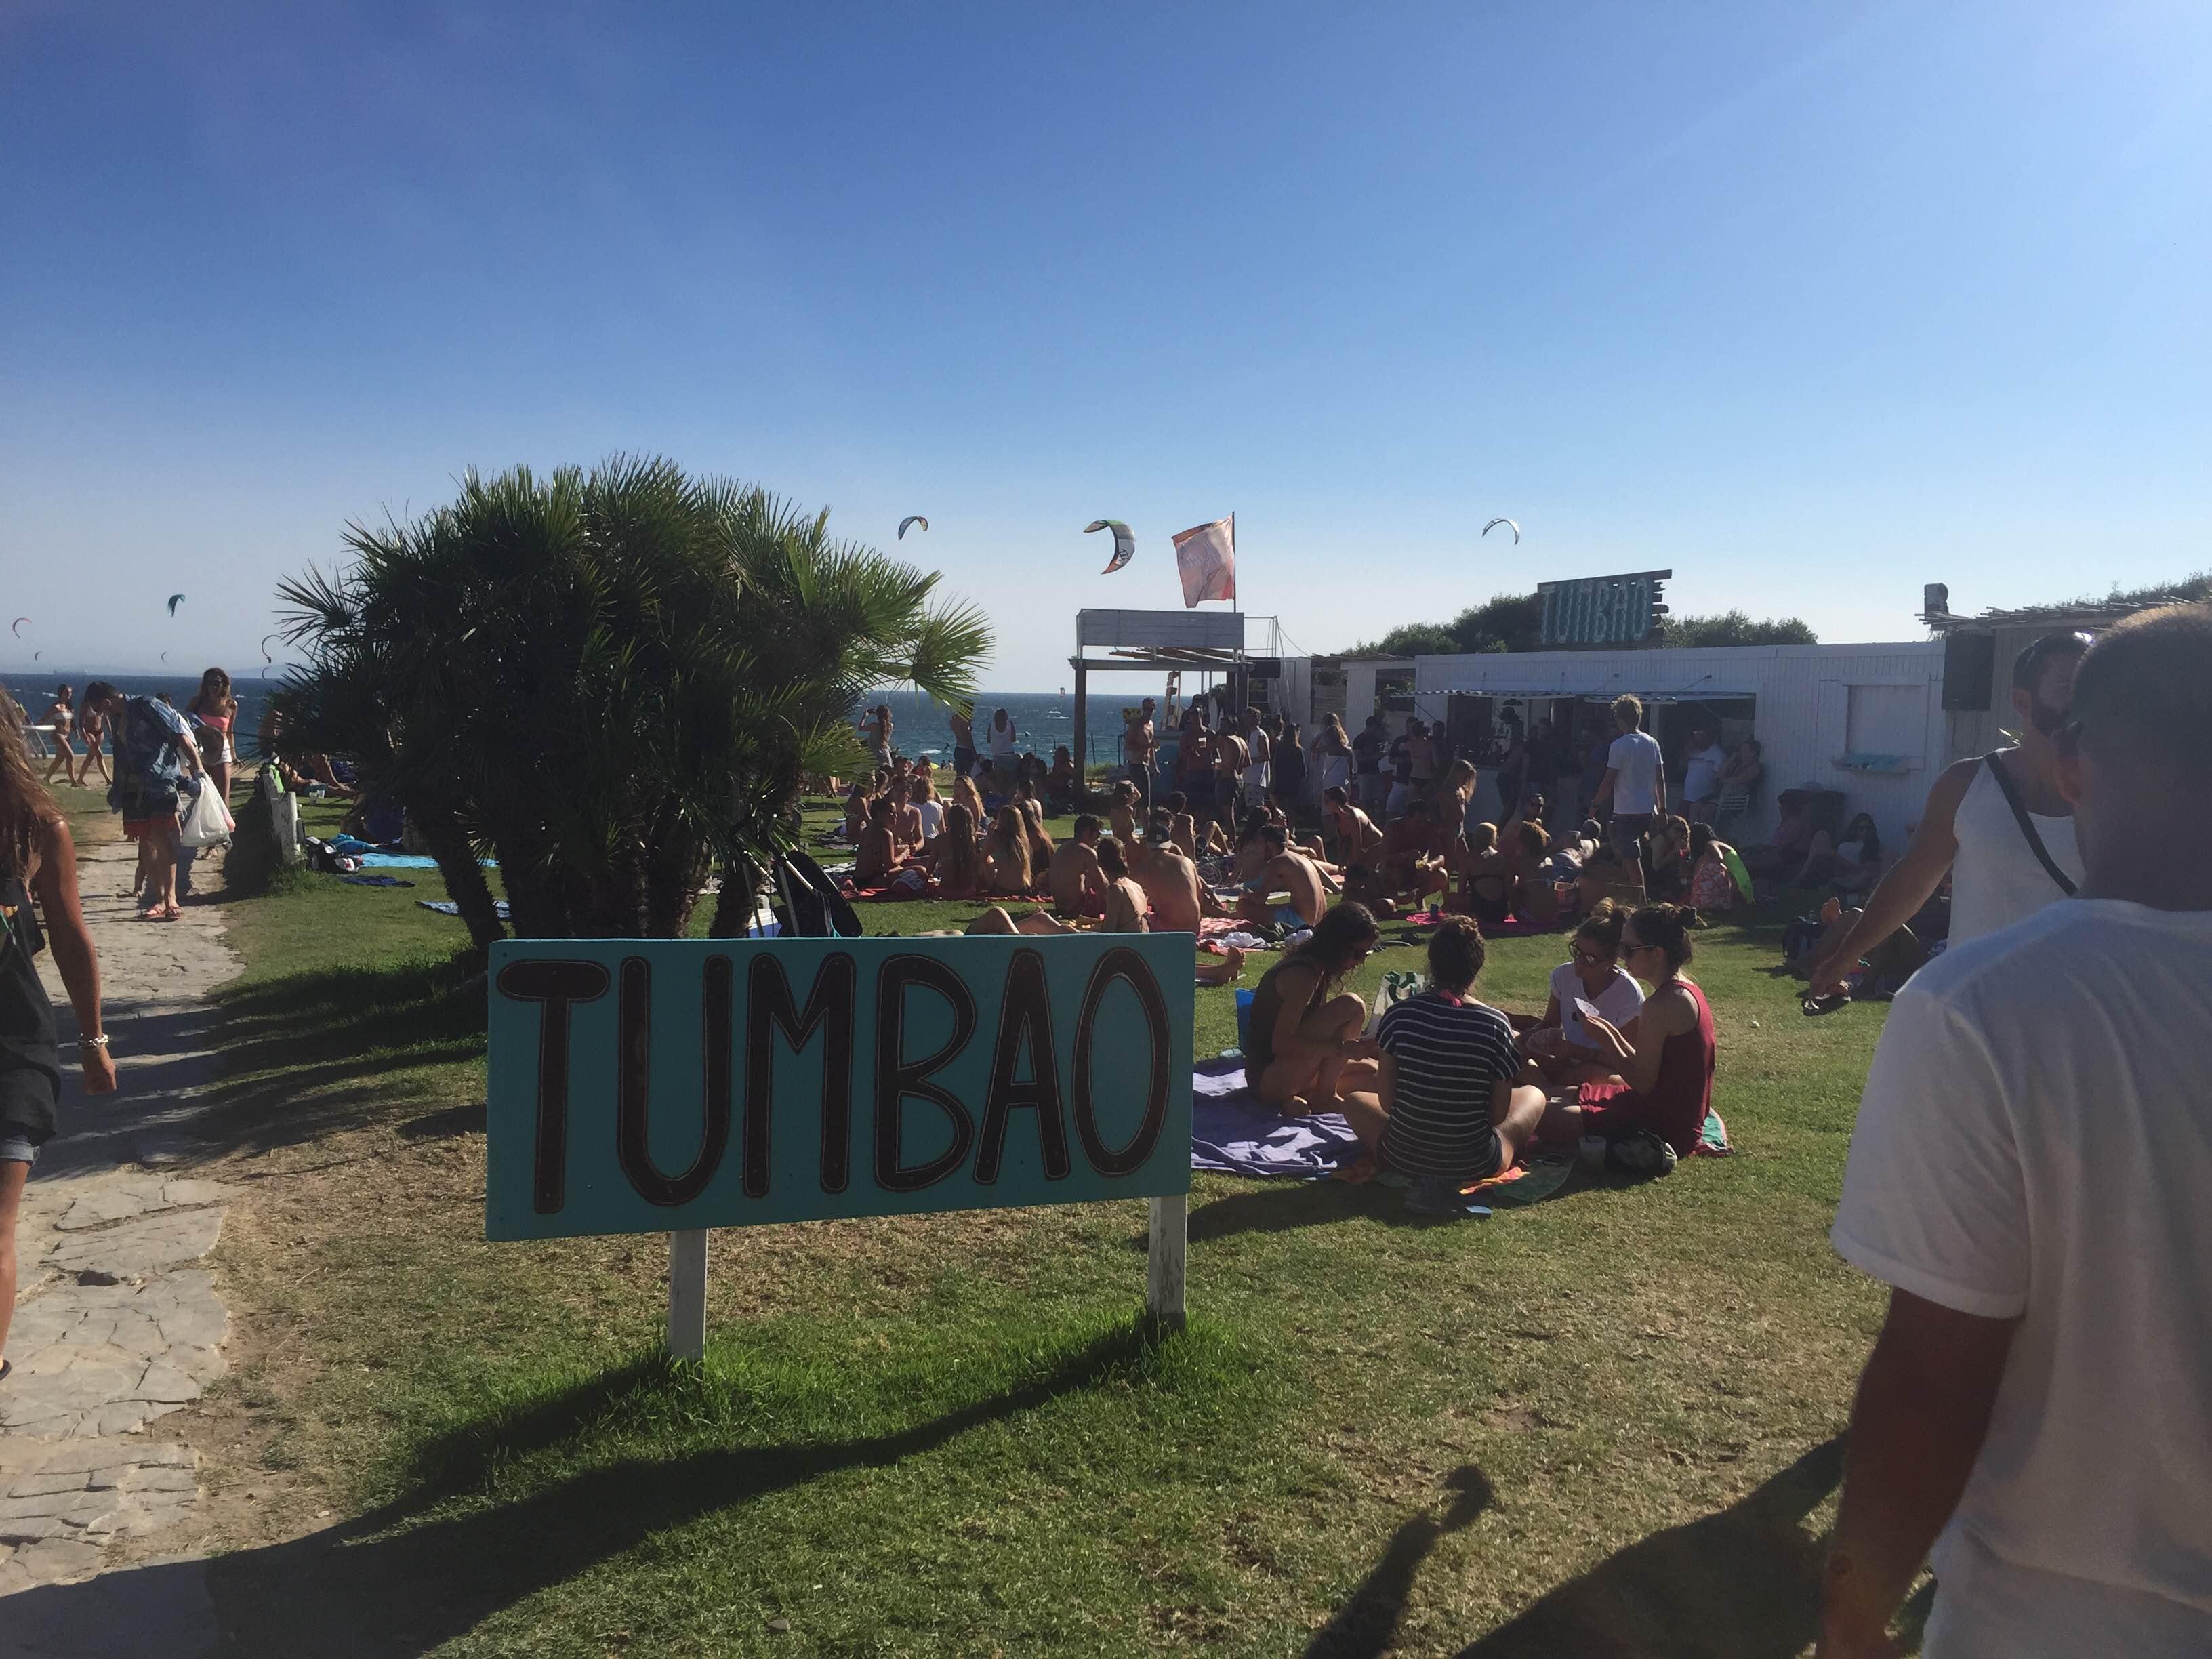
1664	1063
1562	1046
1303	1047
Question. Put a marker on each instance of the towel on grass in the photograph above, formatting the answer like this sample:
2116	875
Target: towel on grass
374	881
448	907
1231	1133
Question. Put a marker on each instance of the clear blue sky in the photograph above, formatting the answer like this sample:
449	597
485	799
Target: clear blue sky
1812	303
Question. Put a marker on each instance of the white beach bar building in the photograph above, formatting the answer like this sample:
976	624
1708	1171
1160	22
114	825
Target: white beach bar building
1864	722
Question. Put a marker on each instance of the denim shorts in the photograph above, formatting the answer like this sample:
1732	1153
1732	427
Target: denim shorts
14	1148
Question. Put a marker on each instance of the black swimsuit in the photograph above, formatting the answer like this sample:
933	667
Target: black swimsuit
30	1055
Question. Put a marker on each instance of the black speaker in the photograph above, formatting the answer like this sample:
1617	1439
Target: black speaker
1970	664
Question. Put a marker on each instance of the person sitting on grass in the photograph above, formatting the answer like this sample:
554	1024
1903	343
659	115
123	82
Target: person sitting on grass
880	854
957	856
1304	1050
1713	883
1447	1107
1060	782
1487	875
1032	812
1666	858
1182	830
1663	1067
1535	896
1122	904
1785	851
1353	832
1407	868
1122	816
906	821
1290	871
1179	899
1560	1044
1006	867
1075	873
1852	865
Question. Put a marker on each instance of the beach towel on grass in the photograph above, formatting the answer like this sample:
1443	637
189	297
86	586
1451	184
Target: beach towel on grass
448	907
1511	928
1233	1133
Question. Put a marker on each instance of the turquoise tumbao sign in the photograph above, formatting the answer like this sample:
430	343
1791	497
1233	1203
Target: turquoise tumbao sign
662	1086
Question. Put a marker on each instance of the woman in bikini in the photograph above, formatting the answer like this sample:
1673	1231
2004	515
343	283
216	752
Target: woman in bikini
61	717
958	856
1032	811
92	726
1304	1050
1006	867
214	710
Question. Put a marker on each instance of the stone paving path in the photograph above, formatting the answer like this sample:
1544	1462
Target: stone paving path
114	1329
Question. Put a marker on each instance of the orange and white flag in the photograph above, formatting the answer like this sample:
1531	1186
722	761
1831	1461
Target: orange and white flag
1206	558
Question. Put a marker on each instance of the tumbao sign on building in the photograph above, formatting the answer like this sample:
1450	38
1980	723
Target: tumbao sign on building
1603	610
673	1086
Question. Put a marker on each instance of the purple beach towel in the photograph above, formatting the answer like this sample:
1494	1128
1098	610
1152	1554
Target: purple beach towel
1233	1133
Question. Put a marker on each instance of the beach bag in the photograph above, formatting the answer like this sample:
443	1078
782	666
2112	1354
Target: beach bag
1397	987
206	821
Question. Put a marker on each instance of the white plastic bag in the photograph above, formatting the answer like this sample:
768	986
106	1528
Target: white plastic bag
207	821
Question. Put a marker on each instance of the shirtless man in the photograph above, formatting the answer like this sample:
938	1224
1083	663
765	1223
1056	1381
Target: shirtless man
1123	815
879	855
1357	837
1230	761
1170	881
1421	751
1138	744
1284	871
1407	864
906	817
1124	901
1075	876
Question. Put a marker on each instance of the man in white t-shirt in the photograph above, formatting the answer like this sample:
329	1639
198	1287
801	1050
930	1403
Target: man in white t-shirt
1701	775
1635	780
2029	1176
1258	753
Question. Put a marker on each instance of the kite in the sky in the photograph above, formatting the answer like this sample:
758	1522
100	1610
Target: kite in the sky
1509	524
265	638
17	630
165	656
911	518
175	599
1125	543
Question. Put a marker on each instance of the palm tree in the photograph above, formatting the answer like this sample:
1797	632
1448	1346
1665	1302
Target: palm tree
609	680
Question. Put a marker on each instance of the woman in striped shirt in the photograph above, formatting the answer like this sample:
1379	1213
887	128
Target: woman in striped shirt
1449	1107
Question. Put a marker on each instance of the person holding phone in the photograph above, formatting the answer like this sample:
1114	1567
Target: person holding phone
37	858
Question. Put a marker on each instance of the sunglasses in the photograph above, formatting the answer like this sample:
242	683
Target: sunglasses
1593	957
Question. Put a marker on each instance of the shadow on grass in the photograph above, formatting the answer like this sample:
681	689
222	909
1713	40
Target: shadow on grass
301	1052
1743	1584
1280	1207
408	1576
1367	1624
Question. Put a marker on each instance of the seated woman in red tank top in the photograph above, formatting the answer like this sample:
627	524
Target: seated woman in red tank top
1665	1081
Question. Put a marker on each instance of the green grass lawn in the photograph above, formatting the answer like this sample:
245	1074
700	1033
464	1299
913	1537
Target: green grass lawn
1604	1423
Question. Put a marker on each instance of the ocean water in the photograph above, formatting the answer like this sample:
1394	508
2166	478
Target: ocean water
35	691
1043	719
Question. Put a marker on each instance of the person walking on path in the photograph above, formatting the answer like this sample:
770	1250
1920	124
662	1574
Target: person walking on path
154	754
1998	825
2038	1406
61	716
37	858
214	711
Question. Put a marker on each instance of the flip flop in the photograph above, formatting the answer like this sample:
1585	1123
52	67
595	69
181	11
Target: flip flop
6	1365
1812	1005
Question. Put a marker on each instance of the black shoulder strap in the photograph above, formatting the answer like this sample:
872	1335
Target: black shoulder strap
2027	825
